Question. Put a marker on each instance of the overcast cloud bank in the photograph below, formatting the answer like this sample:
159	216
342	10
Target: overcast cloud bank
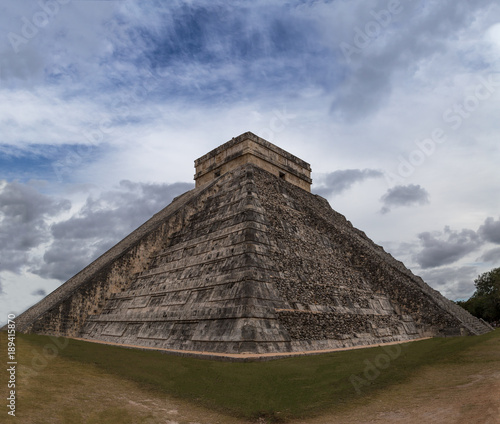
105	105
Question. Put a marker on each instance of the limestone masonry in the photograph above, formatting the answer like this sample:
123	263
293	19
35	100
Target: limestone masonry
248	148
248	261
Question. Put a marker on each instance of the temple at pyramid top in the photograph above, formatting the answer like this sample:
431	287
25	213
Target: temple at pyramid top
249	148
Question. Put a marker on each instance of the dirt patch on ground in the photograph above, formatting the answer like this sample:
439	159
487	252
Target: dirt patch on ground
450	396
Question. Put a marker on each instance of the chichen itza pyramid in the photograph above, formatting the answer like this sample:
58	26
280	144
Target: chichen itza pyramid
248	261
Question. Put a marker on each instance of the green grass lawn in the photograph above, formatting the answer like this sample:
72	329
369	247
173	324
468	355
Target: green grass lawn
278	389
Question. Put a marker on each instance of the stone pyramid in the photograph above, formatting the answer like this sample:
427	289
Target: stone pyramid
248	261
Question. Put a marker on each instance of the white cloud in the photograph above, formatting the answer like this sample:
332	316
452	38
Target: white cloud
154	85
453	282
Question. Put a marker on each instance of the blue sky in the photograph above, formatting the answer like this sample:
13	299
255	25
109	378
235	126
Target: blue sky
106	104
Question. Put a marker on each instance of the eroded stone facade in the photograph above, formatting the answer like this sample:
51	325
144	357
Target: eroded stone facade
247	262
249	148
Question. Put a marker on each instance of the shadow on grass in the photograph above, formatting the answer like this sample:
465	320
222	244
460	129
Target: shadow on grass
277	390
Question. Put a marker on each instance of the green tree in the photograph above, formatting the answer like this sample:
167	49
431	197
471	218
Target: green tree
485	302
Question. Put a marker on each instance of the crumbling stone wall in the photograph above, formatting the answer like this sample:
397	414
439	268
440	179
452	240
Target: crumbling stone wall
207	288
328	262
247	263
249	148
65	310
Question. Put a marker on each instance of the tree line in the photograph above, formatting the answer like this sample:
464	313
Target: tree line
485	302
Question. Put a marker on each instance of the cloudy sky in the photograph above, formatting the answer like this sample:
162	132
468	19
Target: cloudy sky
106	104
